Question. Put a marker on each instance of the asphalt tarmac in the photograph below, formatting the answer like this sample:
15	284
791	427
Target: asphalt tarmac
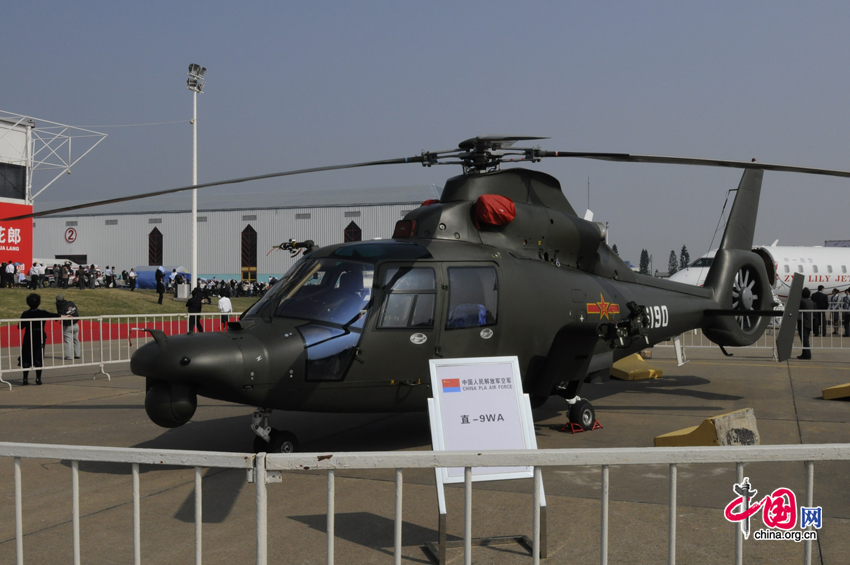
72	408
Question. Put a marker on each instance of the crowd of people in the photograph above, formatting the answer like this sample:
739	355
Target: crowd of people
33	339
64	275
829	310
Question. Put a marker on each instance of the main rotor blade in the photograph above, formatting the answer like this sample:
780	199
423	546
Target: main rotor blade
415	159
629	158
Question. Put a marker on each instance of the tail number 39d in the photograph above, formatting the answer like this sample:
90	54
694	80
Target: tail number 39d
658	316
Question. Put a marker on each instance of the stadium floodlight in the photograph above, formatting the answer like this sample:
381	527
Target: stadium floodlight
195	82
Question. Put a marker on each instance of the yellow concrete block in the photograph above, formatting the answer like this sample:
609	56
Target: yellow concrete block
634	368
704	434
735	428
833	392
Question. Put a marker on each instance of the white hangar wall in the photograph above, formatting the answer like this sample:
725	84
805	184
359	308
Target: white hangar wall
122	239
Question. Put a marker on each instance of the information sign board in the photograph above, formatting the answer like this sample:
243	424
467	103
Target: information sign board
478	404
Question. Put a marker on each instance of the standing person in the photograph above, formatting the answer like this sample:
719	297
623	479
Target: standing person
10	274
92	276
32	343
70	327
159	275
845	316
804	323
225	307
821	301
107	277
834	307
81	277
66	274
33	274
194	305
132	276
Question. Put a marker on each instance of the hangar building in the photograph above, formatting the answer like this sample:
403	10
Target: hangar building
235	231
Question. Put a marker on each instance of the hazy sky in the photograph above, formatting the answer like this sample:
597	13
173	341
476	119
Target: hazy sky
293	85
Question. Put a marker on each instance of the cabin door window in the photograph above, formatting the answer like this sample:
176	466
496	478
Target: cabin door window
473	297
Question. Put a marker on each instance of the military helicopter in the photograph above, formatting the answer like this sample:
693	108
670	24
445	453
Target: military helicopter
500	265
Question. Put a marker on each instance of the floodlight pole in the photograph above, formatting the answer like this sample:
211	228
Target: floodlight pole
194	190
195	83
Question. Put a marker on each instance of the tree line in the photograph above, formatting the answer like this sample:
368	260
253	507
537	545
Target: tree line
674	263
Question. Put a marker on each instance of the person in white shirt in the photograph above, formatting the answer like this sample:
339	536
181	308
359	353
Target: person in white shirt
225	307
33	275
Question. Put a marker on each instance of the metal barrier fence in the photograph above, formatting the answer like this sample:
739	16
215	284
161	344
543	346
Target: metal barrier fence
114	339
101	339
266	468
832	334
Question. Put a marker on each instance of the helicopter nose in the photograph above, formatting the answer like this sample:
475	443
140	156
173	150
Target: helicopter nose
196	359
179	368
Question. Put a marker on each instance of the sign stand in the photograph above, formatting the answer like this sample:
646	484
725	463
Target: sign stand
478	404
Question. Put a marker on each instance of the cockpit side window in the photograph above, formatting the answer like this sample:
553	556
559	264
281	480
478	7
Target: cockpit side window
473	297
409	298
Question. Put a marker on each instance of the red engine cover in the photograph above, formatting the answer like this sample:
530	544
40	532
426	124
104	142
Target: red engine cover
494	210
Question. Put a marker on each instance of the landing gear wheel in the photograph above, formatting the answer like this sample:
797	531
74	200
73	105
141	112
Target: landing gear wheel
279	442
283	442
583	414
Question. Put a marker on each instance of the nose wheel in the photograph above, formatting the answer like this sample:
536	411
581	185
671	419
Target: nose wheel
270	440
583	414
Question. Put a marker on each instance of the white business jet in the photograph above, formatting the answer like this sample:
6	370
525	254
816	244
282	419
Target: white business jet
827	266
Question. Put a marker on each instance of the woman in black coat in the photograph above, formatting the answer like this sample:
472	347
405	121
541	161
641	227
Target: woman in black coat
32	343
159	275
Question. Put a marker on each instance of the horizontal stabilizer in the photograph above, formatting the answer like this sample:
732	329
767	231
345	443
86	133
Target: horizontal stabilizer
785	340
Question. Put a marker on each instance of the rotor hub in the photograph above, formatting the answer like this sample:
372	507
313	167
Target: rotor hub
747	299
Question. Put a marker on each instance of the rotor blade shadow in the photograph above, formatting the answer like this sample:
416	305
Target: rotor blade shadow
371	530
675	386
221	489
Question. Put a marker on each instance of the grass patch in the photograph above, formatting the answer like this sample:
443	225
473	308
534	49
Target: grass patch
105	302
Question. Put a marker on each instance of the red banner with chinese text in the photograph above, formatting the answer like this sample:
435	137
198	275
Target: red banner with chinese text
15	237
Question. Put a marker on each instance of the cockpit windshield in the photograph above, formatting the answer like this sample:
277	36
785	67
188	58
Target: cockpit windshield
703	262
322	290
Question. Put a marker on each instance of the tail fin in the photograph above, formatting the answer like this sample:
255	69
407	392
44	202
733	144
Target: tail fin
738	277
741	226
